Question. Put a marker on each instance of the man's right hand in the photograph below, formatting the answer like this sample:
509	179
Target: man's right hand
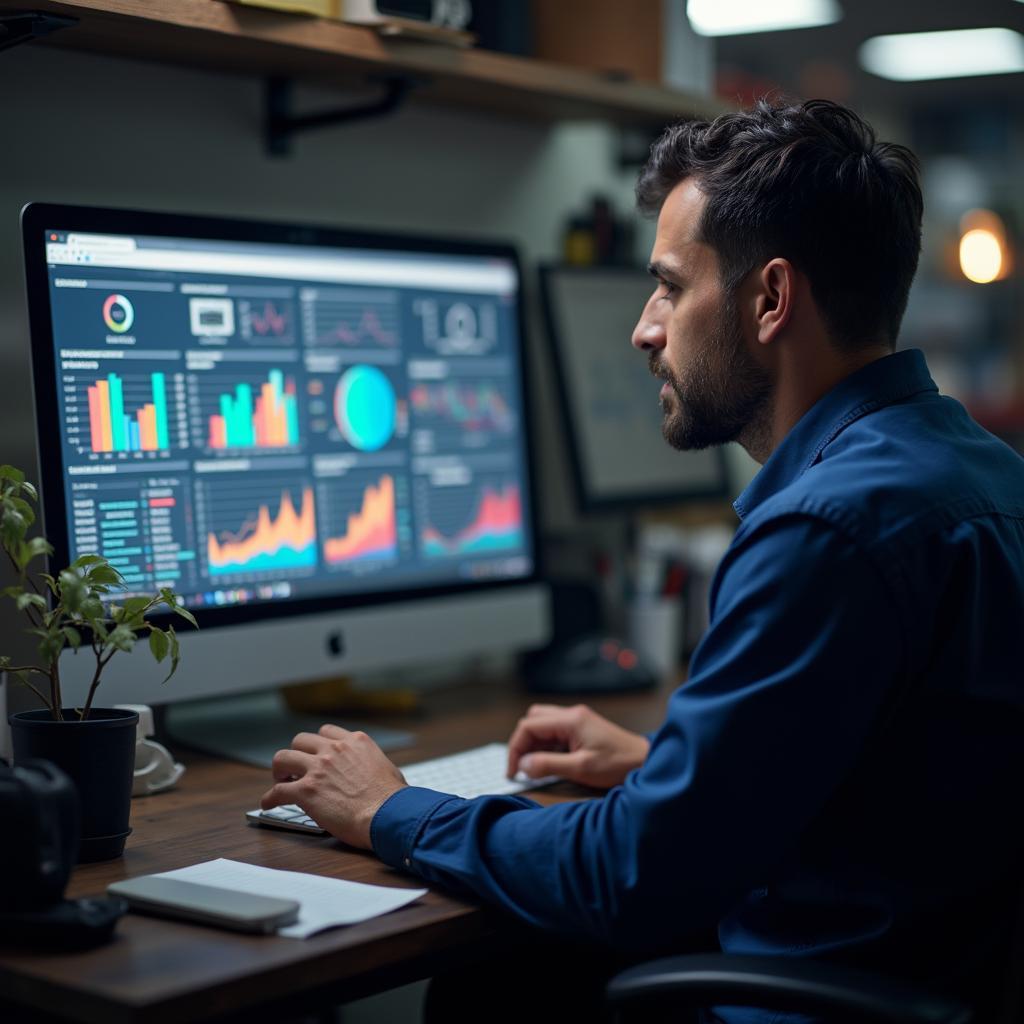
575	743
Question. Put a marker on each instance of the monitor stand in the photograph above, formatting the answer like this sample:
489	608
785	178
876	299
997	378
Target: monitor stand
252	727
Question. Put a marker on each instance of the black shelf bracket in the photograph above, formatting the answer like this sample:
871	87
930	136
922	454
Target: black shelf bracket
24	26
281	124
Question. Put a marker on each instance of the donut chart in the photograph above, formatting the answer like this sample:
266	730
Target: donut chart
118	313
364	408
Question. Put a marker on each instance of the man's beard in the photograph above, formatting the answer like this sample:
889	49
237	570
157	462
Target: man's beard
721	396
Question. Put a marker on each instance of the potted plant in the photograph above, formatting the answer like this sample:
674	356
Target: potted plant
76	608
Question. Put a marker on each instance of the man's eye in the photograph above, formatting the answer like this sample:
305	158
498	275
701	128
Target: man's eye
667	289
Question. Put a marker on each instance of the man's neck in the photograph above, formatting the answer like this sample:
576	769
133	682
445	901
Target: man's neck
799	386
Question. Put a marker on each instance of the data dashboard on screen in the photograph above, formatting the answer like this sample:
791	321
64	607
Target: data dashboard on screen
251	421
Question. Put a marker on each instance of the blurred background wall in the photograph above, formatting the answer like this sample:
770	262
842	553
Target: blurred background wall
82	127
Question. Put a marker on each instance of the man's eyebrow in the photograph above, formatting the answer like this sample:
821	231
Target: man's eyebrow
660	269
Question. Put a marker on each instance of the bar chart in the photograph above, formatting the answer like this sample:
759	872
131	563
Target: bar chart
261	416
128	413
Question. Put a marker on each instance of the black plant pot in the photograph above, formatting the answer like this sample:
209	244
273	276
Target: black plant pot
99	756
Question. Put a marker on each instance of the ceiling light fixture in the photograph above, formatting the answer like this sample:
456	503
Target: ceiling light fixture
737	17
919	56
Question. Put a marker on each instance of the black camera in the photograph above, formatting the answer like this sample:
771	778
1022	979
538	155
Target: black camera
40	814
39	808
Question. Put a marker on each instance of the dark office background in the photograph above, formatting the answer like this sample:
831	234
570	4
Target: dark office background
80	127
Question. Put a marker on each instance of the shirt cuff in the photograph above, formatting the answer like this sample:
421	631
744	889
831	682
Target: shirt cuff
399	820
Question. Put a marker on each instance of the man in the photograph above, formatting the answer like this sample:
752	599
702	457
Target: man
840	776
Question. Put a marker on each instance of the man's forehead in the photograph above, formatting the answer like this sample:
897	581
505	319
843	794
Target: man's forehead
682	210
677	243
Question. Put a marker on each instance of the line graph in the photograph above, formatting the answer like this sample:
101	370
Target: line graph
267	321
353	323
474	406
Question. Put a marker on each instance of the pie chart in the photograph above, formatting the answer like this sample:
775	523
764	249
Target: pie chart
364	408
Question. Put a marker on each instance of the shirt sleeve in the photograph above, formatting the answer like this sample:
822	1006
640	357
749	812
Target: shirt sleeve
803	646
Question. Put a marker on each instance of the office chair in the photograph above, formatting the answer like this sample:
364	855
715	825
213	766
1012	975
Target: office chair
840	995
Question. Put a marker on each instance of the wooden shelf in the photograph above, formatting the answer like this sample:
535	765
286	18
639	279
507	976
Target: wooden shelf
227	37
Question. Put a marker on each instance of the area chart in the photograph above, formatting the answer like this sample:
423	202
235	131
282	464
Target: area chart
496	525
370	532
284	538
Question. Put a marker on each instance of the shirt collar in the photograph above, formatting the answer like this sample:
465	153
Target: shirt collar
878	384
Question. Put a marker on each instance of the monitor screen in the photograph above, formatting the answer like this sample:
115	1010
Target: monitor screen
277	420
620	459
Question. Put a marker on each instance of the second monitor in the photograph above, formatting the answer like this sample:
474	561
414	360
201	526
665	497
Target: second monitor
620	459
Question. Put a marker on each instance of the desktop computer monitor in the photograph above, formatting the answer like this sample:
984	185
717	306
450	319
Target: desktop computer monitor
318	438
620	459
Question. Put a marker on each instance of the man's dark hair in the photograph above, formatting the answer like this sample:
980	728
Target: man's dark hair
808	183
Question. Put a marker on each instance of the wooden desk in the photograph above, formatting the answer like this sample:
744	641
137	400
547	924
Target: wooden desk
163	972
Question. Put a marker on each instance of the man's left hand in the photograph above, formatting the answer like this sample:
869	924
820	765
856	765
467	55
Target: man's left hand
339	778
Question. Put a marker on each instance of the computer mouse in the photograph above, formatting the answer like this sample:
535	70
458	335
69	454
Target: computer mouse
592	663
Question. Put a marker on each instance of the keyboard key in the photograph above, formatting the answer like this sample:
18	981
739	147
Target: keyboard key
281	814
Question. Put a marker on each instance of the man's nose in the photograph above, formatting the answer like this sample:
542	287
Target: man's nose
649	333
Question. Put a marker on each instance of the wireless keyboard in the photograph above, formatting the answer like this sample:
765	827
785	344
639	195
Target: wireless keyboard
469	773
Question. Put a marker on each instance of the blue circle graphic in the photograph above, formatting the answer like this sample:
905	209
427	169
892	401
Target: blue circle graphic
364	408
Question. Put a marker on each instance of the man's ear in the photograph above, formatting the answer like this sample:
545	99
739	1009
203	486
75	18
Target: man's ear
776	284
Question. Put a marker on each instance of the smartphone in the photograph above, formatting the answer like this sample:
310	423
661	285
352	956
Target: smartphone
205	904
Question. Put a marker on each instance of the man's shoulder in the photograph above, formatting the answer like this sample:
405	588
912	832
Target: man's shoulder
905	470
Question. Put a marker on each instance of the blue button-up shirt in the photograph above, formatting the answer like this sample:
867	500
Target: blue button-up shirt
841	774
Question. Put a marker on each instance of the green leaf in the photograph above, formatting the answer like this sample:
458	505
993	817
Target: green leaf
122	638
159	644
105	574
13	591
134	605
29	599
73	636
83	560
4	661
21	554
13	526
39	546
30	490
72	590
175	653
25	509
49	581
173	602
92	611
51	645
12	473
186	614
